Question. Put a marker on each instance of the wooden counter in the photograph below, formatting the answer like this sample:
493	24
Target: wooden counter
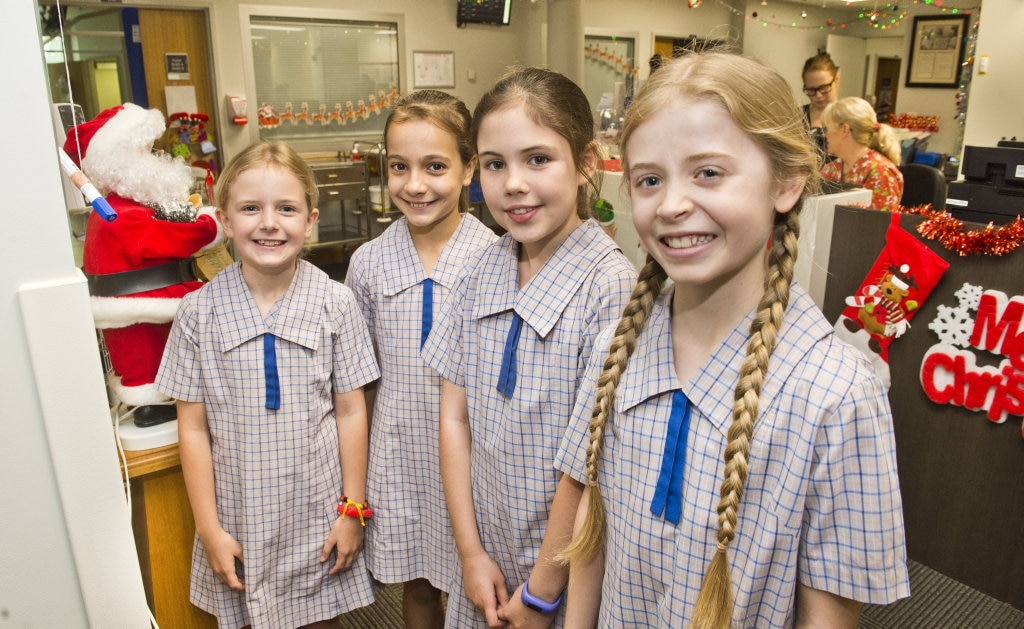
164	530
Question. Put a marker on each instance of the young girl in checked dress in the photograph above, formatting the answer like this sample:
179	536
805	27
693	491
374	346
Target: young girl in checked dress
730	361
267	363
400	280
512	342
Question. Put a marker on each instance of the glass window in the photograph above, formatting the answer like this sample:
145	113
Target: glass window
318	78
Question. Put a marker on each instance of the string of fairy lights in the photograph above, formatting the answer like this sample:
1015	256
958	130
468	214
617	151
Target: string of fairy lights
884	17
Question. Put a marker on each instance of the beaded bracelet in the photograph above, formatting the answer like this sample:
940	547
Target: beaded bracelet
362	510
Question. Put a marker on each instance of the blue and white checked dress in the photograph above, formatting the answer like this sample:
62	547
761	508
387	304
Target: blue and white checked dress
579	291
410	535
277	474
822	504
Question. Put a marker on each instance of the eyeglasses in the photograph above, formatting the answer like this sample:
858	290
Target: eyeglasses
821	89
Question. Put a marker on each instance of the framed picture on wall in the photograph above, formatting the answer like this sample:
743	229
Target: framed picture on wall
433	69
937	51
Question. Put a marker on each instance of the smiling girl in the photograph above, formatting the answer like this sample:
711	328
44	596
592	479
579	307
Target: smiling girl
512	343
267	363
400	280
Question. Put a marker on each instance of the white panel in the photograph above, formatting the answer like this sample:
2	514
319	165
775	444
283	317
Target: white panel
815	243
849	53
65	361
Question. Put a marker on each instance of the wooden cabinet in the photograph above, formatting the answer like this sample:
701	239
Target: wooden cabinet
164	530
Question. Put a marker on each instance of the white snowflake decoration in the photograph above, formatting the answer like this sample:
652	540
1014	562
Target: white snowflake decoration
969	296
953	326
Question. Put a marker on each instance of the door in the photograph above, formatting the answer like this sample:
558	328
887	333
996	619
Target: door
887	80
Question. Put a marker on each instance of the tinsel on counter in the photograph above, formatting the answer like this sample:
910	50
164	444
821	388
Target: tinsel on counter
992	240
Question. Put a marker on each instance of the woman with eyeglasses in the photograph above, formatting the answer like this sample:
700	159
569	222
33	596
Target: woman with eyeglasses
821	85
867	152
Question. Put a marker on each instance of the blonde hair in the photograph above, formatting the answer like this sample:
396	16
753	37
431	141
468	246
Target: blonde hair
552	100
445	112
864	126
276	154
761	103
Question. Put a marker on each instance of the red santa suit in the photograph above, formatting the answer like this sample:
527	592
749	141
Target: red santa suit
139	264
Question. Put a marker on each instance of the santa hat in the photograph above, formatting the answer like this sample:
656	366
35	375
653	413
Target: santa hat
125	127
79	137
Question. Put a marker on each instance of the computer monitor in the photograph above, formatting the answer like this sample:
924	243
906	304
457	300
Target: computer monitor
994	165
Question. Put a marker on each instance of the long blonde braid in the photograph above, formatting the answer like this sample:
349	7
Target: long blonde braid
714	606
590	538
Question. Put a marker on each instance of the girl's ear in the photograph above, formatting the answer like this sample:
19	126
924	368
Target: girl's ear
222	218
467	177
788	193
588	164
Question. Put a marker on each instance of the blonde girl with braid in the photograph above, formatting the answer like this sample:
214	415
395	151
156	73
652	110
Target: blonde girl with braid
738	460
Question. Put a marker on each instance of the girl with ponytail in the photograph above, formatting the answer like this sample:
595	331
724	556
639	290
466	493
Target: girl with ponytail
738	460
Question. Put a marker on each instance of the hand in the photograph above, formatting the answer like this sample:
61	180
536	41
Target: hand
221	552
485	586
347	537
519	616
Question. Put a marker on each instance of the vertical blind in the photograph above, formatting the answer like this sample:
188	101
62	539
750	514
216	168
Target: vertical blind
317	78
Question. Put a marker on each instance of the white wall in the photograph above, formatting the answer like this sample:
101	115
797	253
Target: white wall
994	109
66	546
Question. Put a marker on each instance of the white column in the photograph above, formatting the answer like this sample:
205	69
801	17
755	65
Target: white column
565	38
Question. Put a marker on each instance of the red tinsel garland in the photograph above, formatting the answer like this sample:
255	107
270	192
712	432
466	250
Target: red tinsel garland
992	240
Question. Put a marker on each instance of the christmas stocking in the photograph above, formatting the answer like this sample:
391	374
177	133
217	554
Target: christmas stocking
901	278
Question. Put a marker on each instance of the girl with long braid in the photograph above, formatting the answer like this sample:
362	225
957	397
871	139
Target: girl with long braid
809	520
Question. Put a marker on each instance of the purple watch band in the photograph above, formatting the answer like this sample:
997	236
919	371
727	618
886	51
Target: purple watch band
536	604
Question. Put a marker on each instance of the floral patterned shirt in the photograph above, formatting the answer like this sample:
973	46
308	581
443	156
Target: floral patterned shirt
875	172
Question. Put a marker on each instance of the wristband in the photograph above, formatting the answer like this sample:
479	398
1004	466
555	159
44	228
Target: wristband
536	604
361	510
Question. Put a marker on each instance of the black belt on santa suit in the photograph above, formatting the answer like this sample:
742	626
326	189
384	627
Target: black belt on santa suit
141	280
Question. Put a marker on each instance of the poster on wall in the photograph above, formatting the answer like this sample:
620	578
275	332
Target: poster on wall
937	50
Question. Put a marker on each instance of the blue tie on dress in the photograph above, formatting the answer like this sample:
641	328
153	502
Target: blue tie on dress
507	376
270	373
668	493
428	310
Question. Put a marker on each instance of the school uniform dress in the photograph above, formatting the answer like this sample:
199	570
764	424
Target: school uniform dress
277	473
410	535
821	504
580	290
873	171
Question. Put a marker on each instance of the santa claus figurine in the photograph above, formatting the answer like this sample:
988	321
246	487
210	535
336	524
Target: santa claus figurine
141	264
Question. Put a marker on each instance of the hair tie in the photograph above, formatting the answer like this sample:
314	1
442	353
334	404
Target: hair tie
878	125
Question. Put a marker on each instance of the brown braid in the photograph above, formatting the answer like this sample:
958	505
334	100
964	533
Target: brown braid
590	538
714	605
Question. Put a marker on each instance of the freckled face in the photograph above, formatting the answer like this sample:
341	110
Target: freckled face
704	203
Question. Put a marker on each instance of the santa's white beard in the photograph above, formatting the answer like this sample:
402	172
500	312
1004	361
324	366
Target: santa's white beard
146	178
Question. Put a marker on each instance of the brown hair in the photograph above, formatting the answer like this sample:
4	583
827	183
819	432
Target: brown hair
864	126
445	112
273	153
820	62
553	101
761	103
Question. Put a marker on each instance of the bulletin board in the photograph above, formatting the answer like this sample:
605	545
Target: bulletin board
961	474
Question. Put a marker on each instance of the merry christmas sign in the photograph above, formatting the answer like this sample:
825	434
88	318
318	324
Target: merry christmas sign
957	381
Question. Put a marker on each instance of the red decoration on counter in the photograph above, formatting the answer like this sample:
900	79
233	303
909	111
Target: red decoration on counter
992	240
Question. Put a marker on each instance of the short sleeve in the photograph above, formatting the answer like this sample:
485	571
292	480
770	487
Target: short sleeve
358	281
853	537
180	375
354	362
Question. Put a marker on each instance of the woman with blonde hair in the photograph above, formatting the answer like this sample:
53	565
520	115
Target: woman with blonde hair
867	151
738	460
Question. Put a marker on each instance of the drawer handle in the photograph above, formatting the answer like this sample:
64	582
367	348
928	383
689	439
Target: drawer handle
332	175
333	193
